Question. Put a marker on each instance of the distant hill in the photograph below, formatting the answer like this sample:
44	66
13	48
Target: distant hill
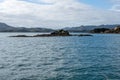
88	28
6	28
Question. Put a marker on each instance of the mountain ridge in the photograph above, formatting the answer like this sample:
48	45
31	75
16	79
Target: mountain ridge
7	28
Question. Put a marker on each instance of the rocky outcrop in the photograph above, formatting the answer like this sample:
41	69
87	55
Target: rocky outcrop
60	33
55	33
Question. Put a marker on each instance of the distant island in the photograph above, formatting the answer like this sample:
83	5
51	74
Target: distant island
106	30
90	28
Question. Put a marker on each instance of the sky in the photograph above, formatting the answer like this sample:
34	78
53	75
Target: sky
59	13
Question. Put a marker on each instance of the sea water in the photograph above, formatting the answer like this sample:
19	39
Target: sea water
94	57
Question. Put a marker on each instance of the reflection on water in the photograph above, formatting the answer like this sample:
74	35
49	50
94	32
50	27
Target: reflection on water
60	58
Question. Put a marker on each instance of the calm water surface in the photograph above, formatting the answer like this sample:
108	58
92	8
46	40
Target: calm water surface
60	58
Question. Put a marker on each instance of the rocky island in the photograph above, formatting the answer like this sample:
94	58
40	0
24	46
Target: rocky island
55	33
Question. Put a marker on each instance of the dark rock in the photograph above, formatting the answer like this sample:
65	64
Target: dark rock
85	35
42	35
60	33
20	36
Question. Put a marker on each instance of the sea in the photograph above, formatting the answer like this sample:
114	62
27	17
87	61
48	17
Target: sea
94	57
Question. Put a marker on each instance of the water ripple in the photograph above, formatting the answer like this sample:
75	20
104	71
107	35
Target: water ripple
60	58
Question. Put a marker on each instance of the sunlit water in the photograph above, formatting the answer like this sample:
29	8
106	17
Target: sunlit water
60	58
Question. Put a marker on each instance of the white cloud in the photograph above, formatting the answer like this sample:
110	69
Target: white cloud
53	13
116	8
116	5
115	1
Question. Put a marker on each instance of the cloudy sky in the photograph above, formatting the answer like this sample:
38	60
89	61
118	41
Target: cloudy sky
59	13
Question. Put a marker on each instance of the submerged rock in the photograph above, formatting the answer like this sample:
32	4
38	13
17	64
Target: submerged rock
85	35
20	36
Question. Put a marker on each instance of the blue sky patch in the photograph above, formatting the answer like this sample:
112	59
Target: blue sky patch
37	2
104	4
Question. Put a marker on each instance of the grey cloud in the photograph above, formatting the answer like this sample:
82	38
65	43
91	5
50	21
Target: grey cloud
60	14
